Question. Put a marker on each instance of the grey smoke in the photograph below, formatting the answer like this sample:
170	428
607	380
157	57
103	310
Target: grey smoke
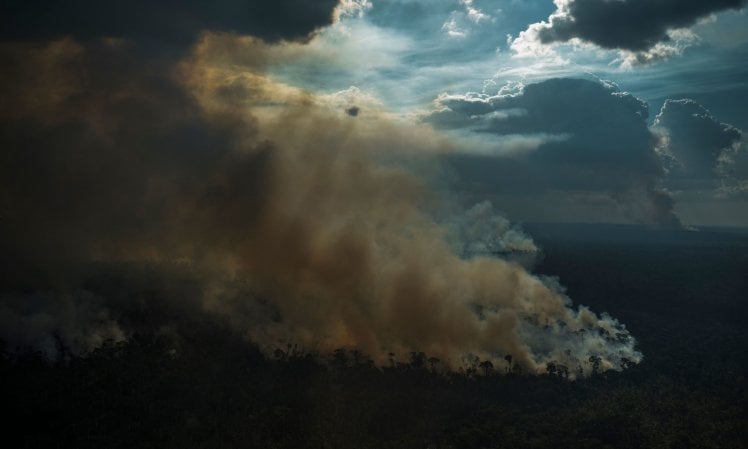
57	324
482	231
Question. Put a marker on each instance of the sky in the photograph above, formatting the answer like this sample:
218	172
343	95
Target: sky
344	173
438	60
599	147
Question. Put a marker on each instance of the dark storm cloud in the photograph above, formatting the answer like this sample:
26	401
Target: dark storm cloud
697	147
170	21
634	25
590	137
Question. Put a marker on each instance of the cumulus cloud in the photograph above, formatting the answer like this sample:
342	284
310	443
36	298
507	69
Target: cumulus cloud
643	29
698	149
352	8
468	26
593	138
293	221
733	167
461	22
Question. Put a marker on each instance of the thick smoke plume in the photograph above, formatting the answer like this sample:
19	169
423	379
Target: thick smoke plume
297	222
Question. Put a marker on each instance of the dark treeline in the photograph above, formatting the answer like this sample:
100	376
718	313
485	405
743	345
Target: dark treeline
215	391
202	385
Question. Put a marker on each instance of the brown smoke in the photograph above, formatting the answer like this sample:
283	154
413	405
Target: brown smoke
215	163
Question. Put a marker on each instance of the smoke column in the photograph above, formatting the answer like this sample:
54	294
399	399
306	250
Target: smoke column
238	176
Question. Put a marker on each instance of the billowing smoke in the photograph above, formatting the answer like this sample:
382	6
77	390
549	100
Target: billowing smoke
293	220
58	325
482	231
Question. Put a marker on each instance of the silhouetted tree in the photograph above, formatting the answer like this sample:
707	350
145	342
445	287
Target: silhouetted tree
340	358
433	363
551	369
487	367
417	360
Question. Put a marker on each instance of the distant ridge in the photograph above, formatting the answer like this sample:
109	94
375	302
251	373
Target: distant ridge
607	233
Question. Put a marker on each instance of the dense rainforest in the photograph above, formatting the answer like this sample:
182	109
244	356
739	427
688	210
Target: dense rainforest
682	294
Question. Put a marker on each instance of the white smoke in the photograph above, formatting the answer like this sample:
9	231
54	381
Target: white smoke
482	231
